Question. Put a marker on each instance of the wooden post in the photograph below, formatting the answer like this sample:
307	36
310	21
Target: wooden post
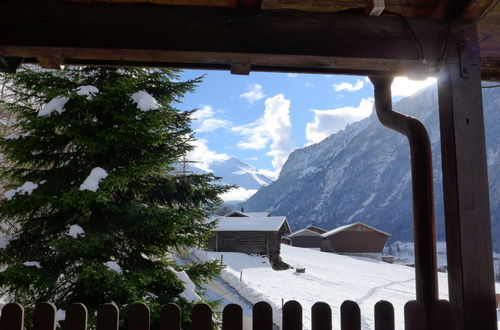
465	188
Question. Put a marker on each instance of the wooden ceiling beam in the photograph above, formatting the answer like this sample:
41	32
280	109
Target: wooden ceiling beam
57	31
467	10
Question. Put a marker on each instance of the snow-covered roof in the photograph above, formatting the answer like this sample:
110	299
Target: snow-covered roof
250	223
304	232
248	214
258	214
342	228
236	214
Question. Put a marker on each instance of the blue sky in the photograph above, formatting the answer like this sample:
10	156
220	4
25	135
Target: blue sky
262	117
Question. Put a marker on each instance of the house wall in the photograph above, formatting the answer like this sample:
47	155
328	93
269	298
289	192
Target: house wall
354	242
306	241
251	242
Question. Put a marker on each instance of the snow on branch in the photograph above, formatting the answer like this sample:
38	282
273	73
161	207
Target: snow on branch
56	104
88	91
26	189
145	102
92	181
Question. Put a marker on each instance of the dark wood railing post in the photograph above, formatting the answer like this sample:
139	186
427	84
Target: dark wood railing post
384	316
350	316
170	317
76	317
262	316
292	315
12	317
232	317
201	317
321	316
44	317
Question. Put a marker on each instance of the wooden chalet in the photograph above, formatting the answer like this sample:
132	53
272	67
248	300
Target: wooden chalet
309	237
355	239
249	234
458	41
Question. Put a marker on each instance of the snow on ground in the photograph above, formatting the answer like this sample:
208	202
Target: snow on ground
92	181
329	277
189	287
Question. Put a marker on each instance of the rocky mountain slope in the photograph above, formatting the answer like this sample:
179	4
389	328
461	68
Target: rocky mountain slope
363	174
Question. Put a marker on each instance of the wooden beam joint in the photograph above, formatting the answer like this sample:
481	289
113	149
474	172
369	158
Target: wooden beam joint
9	64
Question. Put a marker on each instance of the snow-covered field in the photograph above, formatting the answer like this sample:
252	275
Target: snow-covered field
328	277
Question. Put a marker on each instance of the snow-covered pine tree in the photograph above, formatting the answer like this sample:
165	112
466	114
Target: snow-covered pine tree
95	207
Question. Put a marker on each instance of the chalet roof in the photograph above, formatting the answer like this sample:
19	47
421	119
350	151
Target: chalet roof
250	223
258	214
236	214
248	214
304	232
317	229
342	228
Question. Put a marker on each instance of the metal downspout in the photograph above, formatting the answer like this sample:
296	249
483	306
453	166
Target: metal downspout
424	224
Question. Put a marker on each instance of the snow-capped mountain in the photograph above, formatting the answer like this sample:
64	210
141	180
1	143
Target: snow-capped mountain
363	174
234	171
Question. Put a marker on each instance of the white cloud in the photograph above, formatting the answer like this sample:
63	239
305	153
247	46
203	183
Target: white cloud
273	174
212	124
327	122
292	75
254	93
273	127
203	155
402	86
309	84
205	112
238	194
207	121
345	86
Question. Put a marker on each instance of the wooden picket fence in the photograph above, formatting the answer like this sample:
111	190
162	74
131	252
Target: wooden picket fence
12	317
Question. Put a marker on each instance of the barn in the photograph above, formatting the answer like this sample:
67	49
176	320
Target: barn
309	237
250	234
355	239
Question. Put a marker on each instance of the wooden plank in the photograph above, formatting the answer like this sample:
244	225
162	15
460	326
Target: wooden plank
443	316
201	317
415	318
44	317
321	316
384	316
232	317
12	317
262	316
107	317
138	317
465	192
350	316
292	315
209	37
76	317
170	317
